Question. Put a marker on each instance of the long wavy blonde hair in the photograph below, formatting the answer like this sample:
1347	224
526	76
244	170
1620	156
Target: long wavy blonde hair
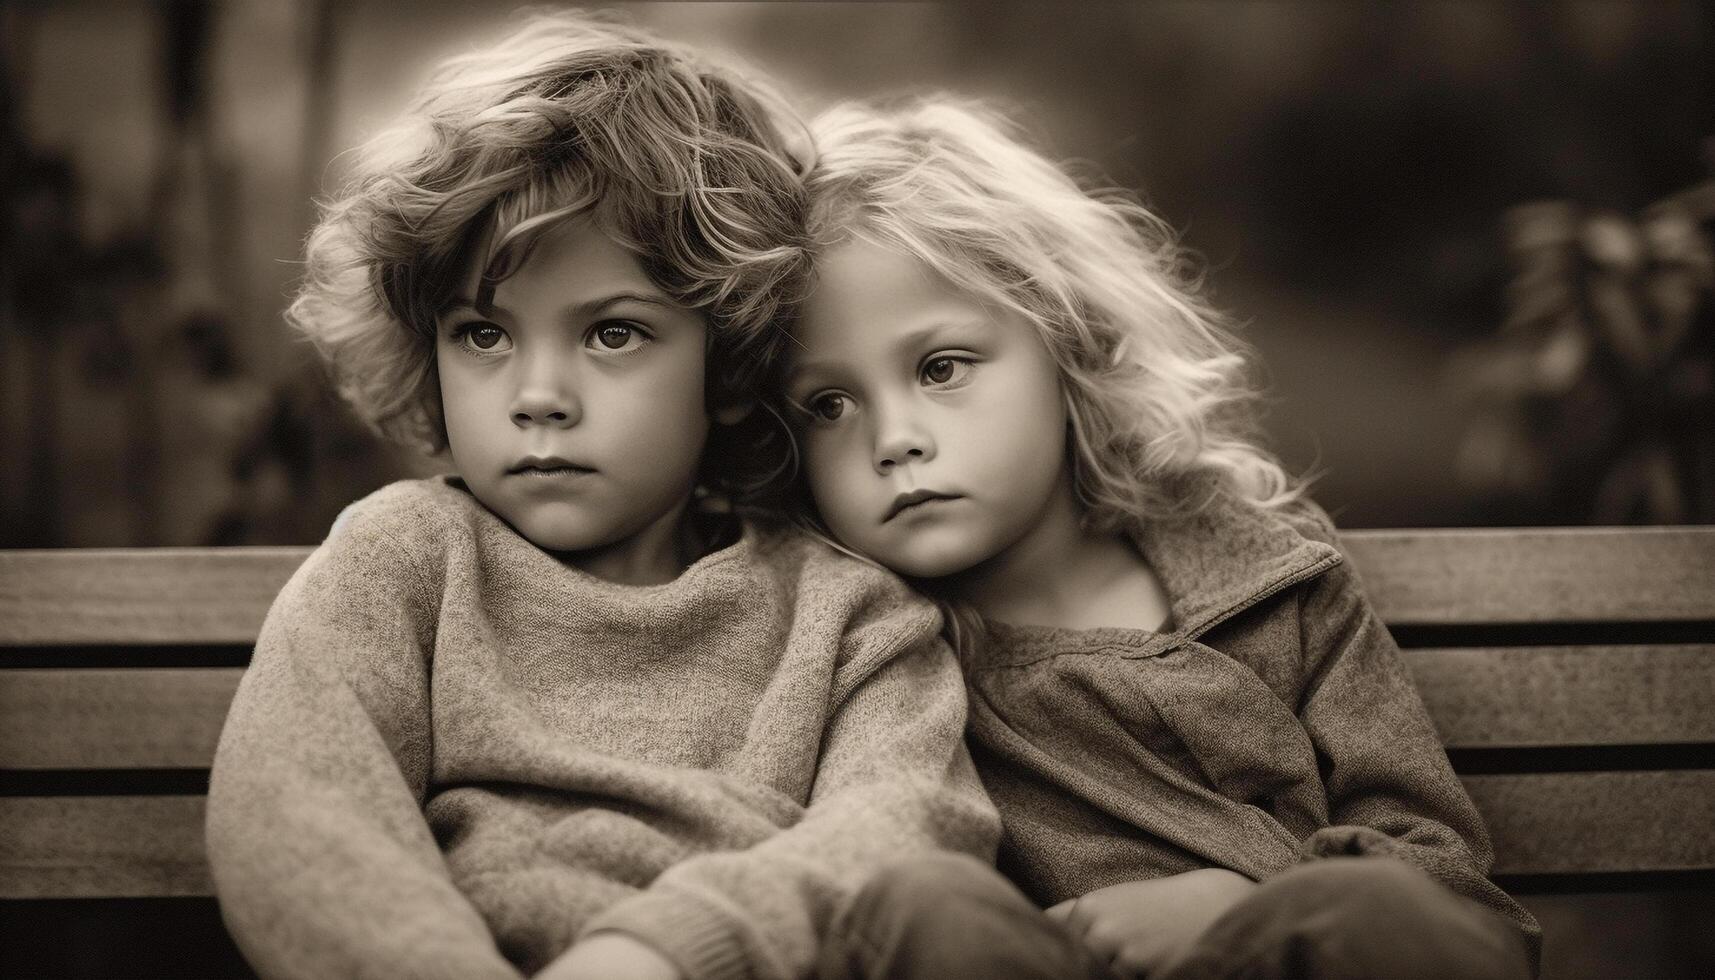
1162	413
692	166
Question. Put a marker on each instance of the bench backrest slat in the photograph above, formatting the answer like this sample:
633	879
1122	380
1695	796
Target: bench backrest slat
102	846
140	596
170	718
1438	576
1538	575
1508	697
1592	822
1568	823
146	718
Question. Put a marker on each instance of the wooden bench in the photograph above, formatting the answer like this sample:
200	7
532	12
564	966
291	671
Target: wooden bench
1570	671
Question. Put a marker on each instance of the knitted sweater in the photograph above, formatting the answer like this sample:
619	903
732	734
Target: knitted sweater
454	755
1271	722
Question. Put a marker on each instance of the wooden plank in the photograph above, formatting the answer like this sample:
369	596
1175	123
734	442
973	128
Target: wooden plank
138	595
1430	577
1557	823
113	719
1515	697
1578	822
1578	696
1537	575
102	846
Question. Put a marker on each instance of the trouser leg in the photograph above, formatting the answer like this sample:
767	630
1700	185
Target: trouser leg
1355	919
950	917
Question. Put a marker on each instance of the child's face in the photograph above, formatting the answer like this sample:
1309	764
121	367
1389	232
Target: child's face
574	404
934	432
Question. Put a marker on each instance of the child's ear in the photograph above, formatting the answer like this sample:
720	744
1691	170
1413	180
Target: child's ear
734	413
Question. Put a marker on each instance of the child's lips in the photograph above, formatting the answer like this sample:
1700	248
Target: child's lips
545	473
914	498
549	468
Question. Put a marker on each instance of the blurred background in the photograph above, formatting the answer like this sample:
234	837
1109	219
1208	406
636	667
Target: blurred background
1471	241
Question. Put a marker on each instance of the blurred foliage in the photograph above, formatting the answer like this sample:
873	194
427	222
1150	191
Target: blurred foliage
1596	401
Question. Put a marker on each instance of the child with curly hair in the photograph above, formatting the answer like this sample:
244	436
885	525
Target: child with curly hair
562	715
1208	756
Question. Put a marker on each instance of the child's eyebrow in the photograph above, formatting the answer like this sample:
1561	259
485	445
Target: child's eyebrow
906	342
594	306
587	308
917	336
799	371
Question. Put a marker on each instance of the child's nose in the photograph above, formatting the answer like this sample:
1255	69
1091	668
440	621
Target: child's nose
546	400
902	444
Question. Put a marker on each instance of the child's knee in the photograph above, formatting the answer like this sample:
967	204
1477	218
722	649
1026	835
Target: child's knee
1360	887
1365	897
1370	916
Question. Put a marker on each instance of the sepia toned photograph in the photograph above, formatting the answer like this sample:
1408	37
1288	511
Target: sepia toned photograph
681	490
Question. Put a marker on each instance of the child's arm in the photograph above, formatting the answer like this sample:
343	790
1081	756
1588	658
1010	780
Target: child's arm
323	862
893	777
1391	789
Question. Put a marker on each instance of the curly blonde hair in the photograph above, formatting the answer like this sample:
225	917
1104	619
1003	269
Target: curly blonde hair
687	164
1153	378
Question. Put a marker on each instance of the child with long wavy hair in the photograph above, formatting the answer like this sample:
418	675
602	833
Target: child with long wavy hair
1208	756
565	714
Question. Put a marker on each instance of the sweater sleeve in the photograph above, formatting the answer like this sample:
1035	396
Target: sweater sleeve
322	860
1391	790
893	778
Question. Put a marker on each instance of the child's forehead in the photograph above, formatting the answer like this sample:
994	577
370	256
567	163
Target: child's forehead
872	273
878	304
575	258
873	267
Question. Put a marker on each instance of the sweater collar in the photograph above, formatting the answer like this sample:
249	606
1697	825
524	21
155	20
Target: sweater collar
1226	557
1214	563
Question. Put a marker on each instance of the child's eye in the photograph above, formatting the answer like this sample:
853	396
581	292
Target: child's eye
829	406
945	371
484	338
616	337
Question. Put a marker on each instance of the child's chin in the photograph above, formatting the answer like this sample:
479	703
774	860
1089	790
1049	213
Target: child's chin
566	537
564	544
931	563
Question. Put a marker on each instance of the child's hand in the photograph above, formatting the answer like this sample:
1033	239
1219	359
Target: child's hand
611	956
1141	927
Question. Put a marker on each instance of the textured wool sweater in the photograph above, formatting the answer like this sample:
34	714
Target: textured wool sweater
453	755
1271	721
